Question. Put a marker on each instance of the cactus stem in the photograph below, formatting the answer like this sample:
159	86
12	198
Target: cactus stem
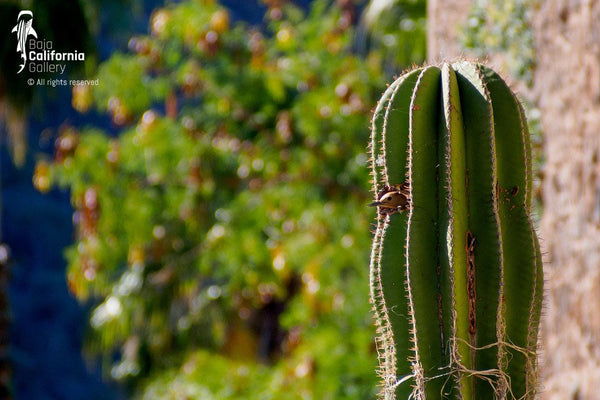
456	271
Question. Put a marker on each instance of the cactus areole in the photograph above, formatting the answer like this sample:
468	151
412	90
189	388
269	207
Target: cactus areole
456	271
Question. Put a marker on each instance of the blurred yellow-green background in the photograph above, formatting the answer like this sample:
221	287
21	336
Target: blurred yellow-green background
188	220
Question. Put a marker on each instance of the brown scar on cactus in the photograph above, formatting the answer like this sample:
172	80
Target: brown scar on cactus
471	284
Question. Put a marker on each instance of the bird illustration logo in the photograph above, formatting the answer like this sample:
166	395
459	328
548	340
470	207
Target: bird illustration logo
23	29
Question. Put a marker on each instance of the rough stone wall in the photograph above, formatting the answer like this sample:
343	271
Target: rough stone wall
445	20
566	90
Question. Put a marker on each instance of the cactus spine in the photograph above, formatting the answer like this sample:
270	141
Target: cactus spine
456	280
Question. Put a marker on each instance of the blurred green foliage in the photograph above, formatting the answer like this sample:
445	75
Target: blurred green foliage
398	29
504	27
223	234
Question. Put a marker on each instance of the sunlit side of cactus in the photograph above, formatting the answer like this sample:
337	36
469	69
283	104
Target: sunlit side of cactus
456	276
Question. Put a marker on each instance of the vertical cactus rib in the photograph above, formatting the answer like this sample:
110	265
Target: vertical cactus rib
528	157
395	128
536	304
521	291
453	229
534	322
376	145
388	274
386	348
483	223
456	271
422	247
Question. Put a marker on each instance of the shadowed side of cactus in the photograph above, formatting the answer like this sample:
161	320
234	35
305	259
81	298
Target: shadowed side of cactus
456	271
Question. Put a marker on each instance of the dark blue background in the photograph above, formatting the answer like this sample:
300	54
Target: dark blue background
47	323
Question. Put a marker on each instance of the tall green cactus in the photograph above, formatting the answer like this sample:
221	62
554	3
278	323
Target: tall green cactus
456	271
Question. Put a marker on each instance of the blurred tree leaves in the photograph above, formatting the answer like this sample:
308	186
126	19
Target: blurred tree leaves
503	27
223	235
398	28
